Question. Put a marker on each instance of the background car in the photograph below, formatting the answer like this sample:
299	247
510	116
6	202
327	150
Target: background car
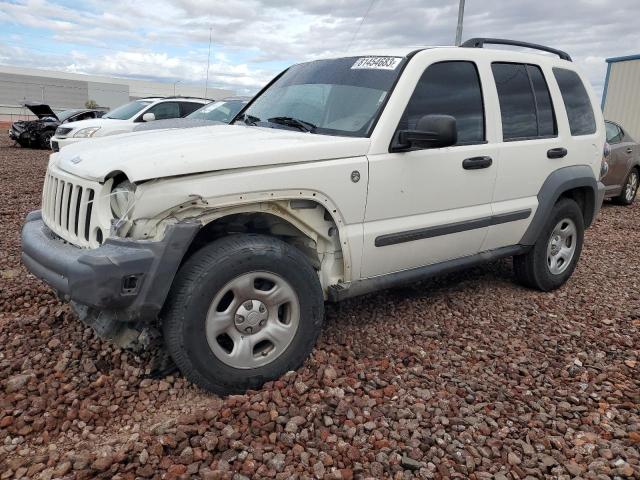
37	133
624	165
221	112
125	118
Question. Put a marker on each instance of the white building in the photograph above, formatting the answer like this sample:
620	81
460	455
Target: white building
71	90
621	96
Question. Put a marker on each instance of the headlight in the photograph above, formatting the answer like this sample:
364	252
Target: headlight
122	198
86	132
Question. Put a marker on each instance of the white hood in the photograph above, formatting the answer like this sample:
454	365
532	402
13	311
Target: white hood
168	153
96	122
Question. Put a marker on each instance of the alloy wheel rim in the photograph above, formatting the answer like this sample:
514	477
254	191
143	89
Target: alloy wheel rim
561	246
632	186
252	320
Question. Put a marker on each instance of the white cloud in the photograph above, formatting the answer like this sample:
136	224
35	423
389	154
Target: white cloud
167	39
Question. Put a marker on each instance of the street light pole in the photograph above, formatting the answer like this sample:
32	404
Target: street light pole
174	86
460	19
206	82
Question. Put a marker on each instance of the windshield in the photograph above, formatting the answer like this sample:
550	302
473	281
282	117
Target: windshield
341	96
62	116
222	111
125	112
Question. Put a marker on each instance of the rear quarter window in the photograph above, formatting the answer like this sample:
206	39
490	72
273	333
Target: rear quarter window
576	101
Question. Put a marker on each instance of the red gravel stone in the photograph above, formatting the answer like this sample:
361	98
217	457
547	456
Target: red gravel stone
464	376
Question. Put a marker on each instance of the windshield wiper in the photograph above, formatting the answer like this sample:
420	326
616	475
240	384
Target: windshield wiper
294	122
249	119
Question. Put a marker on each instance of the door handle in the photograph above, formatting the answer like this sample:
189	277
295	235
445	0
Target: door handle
557	153
629	150
476	163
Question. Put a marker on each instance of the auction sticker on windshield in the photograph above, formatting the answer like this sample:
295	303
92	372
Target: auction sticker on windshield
377	63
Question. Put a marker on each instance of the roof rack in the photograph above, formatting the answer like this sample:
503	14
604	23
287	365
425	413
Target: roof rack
187	96
479	43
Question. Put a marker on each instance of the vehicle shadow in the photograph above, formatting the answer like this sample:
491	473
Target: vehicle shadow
499	272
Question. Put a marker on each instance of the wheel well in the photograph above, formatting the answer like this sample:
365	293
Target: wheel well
255	222
585	197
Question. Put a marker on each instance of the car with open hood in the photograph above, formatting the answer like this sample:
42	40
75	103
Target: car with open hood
342	177
125	118
37	133
215	113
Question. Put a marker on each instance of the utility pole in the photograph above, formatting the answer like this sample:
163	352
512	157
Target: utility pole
206	82
460	19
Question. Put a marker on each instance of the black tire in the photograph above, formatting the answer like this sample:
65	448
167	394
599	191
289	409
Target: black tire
626	198
532	269
203	276
44	139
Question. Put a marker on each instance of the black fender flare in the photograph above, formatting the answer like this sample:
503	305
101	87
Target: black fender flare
556	184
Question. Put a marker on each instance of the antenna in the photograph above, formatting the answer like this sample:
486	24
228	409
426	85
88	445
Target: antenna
460	19
360	24
206	82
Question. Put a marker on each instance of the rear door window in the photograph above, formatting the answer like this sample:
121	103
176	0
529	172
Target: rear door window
576	101
525	103
544	107
189	107
614	134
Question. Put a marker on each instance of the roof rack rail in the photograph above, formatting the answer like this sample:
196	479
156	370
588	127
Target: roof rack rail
479	43
188	96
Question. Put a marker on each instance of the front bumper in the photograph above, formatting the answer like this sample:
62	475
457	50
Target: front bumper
129	277
15	133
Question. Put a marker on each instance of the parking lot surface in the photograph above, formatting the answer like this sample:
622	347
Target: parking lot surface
465	376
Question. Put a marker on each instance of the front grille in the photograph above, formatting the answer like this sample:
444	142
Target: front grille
62	131
68	208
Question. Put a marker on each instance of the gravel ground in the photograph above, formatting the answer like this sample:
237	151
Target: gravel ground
466	376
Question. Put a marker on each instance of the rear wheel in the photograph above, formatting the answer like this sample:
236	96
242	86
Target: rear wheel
553	258
242	311
629	189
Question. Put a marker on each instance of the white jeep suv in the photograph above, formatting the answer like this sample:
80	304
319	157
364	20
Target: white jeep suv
125	118
343	176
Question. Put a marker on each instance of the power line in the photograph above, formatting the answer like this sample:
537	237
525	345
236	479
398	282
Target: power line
360	25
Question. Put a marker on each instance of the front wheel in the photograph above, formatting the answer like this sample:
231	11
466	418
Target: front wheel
44	139
242	311
553	258
630	188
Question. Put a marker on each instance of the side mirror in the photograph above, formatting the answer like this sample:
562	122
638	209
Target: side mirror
148	117
432	131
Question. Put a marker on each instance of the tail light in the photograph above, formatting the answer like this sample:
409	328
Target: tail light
604	165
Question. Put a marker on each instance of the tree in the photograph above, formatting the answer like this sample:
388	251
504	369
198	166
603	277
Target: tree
91	104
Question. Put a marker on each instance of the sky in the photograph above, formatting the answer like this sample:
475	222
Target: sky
253	40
